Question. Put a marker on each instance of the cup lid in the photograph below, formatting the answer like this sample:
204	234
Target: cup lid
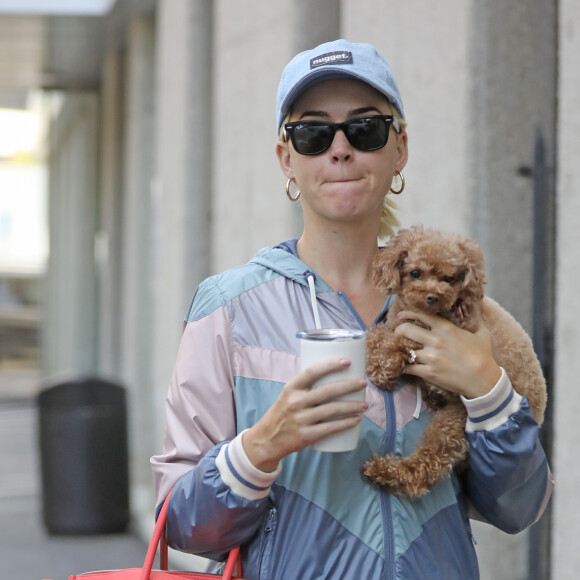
330	334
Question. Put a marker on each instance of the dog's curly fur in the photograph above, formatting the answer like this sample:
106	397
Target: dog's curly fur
442	274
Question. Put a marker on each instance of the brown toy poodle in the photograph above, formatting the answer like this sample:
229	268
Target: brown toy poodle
442	274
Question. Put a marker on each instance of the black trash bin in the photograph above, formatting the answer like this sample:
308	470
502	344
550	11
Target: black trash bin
84	457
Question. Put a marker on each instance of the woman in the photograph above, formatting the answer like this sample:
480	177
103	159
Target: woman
241	418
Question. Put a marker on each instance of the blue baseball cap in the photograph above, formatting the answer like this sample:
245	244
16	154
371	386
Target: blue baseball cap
332	60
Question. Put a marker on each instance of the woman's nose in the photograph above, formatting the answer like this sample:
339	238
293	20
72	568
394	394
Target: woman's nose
340	149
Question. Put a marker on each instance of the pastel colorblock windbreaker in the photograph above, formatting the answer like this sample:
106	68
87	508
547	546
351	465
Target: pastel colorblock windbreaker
315	518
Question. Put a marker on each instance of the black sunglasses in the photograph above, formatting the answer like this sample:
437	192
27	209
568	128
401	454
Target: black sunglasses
364	133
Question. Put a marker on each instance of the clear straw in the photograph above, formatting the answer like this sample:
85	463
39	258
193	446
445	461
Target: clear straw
313	301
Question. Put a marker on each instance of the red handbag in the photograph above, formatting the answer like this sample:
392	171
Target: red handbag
146	573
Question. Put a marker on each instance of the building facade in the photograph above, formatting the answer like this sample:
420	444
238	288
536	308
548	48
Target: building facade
165	173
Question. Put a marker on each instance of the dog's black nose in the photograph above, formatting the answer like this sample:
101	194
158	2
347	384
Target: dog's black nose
432	298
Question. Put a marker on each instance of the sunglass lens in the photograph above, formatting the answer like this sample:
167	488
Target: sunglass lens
368	134
309	139
314	137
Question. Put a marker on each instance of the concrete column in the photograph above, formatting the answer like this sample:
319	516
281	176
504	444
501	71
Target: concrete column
109	235
70	333
249	206
312	24
181	195
182	183
137	319
566	525
514	96
513	101
429	56
315	22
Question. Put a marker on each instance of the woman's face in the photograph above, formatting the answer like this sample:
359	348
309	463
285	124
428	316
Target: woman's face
343	183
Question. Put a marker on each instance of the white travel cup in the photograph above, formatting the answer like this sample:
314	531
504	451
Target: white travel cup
326	343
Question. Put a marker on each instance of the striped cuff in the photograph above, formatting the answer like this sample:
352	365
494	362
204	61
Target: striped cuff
494	409
240	475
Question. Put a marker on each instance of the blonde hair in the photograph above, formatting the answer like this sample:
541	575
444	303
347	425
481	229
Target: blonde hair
389	221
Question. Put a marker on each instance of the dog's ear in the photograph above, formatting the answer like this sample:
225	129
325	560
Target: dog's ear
474	275
389	262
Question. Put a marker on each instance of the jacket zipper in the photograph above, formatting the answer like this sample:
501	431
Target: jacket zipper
271	519
388	524
351	308
266	551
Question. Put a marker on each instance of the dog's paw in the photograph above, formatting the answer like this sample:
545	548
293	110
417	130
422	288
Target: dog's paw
384	378
385	368
387	356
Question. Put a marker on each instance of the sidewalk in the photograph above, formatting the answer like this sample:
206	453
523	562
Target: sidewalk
27	552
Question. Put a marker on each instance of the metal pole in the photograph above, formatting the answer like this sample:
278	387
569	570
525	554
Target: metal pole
543	337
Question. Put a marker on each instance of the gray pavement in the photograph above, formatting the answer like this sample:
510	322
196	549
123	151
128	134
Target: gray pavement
27	551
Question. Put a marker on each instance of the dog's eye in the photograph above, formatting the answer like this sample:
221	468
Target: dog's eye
415	274
449	279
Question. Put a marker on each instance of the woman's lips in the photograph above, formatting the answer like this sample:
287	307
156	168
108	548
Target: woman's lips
344	180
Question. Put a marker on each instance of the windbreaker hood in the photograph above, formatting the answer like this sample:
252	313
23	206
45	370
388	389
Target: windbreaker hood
288	265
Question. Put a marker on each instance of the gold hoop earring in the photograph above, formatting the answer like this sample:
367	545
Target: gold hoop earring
402	178
297	196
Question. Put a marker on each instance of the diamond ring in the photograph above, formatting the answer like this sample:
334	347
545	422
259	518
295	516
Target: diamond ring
412	356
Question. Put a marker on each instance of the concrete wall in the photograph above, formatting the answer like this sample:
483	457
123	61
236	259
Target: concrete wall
566	528
513	88
436	104
249	207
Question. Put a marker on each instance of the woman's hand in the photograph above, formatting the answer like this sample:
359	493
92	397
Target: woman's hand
452	358
301	415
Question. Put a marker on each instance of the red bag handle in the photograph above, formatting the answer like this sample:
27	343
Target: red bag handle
158	539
